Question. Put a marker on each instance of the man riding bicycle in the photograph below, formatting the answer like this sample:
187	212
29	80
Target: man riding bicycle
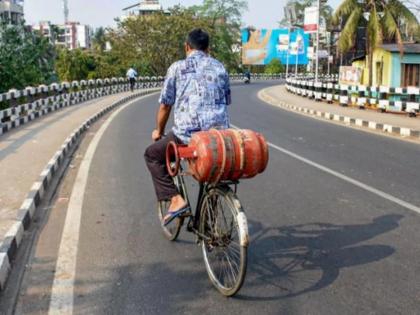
199	90
131	76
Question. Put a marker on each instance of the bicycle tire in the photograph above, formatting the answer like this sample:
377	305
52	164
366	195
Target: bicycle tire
228	277
171	231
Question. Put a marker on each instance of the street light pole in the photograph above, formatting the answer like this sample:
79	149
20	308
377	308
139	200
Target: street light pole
287	55
297	56
317	42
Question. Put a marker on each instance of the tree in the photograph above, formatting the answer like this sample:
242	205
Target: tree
225	18
274	67
26	58
154	42
222	12
413	5
383	20
75	65
99	40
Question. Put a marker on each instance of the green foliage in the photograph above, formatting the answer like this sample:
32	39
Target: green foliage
274	67
82	64
222	12
387	20
150	44
99	40
154	41
225	21
26	59
74	65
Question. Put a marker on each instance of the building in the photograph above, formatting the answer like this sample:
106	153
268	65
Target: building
71	35
11	11
391	68
143	8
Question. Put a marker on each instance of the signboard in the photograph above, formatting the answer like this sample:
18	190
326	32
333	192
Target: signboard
323	54
259	47
350	75
311	53
310	24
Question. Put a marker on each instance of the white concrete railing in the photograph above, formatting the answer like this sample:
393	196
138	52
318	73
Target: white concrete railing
26	105
384	98
22	106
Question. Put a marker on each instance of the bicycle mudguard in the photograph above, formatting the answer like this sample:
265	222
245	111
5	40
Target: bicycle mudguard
243	228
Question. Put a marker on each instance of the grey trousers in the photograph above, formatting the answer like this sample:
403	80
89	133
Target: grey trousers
155	157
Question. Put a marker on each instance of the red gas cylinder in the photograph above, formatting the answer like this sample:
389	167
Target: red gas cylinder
217	155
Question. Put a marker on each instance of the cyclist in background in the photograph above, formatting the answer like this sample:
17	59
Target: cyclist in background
131	75
198	89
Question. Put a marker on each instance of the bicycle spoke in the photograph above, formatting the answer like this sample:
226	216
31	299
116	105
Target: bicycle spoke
226	273
222	251
232	269
235	252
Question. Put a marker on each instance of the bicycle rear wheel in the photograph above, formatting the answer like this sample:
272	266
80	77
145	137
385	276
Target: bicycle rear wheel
224	229
171	231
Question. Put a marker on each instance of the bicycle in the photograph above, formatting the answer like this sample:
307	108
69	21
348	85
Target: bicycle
221	228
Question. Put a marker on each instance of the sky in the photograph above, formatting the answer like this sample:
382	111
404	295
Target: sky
261	13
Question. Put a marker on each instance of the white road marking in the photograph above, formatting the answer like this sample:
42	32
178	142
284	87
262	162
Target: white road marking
61	302
348	179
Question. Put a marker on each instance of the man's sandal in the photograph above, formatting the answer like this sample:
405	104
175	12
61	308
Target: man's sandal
173	215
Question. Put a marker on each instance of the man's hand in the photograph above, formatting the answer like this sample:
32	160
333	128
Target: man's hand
161	120
156	135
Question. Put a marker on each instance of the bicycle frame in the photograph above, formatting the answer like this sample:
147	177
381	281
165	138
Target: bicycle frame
194	220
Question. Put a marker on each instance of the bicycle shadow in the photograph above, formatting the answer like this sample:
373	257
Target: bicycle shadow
298	259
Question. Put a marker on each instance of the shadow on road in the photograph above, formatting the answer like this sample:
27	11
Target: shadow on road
298	259
284	262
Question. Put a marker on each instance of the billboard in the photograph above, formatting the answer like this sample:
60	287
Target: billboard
310	24
261	46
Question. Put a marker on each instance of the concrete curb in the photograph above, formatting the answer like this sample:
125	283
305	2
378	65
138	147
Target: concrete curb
345	120
13	238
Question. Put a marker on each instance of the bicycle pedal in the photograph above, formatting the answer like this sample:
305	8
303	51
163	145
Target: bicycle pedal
190	227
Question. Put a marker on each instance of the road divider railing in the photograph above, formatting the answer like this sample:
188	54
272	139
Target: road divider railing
17	107
385	99
257	76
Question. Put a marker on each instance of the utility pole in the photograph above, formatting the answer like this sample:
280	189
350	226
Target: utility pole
297	55
287	55
66	11
317	42
290	15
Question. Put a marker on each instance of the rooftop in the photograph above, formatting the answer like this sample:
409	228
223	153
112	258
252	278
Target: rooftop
407	48
147	5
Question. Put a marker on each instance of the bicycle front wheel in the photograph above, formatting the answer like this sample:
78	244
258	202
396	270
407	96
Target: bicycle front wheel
224	231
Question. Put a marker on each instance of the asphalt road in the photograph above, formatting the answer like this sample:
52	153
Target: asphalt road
319	244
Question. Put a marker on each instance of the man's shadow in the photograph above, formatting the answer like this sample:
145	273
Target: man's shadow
298	259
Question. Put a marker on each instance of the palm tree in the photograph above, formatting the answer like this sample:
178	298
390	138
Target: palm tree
384	20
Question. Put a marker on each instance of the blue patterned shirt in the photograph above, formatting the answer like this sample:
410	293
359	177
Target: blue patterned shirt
198	87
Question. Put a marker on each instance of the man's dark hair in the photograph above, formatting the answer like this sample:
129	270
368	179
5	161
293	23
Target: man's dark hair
198	39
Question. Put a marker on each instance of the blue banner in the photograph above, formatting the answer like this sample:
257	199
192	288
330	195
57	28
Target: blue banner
259	47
